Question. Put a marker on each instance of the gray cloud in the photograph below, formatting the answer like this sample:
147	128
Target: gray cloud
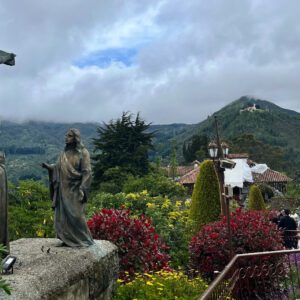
193	58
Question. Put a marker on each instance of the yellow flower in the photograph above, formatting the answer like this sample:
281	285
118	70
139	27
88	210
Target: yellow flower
131	195
178	203
144	192
166	204
40	232
120	280
151	205
149	283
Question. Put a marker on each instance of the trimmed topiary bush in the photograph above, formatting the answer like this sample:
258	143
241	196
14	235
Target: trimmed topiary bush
256	200
140	247
252	231
206	207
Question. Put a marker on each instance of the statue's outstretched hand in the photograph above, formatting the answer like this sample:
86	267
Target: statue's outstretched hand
46	166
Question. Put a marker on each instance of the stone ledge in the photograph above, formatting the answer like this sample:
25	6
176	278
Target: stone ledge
63	273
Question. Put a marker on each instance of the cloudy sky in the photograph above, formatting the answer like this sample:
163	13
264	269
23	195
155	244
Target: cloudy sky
174	61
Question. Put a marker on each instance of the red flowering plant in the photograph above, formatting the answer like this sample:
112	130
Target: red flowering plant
140	247
252	231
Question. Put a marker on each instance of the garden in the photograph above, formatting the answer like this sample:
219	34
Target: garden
170	245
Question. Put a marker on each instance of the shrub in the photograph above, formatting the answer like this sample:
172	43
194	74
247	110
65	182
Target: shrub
140	247
161	285
29	213
155	184
266	191
251	231
169	217
206	207
256	200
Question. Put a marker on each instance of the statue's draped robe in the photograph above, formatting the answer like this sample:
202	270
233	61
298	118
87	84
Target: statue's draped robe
71	174
3	207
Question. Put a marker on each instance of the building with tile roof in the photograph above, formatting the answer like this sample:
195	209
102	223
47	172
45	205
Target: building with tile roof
266	175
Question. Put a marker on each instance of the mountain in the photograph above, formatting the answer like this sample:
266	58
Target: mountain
269	133
28	144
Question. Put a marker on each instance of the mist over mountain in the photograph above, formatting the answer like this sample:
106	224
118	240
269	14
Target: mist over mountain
267	132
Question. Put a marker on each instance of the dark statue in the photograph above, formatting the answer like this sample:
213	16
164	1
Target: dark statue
70	179
7	58
3	204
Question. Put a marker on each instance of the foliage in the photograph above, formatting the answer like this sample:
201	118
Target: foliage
206	207
265	190
3	285
140	247
280	203
161	285
155	184
30	213
113	180
173	163
293	190
123	143
169	217
256	200
195	148
258	150
251	231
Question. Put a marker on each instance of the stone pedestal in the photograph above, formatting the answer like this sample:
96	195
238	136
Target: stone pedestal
44	270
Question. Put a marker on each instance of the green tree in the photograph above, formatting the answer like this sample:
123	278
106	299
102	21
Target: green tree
205	206
173	163
196	148
122	143
258	151
256	200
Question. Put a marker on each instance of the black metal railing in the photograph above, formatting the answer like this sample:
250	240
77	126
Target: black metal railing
262	275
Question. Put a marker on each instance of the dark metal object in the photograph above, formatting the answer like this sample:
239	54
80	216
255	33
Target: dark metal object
223	196
70	179
7	58
219	169
8	264
261	275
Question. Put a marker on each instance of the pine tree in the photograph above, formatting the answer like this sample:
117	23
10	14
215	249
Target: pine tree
206	207
256	200
122	143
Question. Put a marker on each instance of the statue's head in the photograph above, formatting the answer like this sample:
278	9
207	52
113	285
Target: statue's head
2	158
72	137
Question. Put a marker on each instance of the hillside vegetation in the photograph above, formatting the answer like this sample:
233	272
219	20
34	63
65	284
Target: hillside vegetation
270	135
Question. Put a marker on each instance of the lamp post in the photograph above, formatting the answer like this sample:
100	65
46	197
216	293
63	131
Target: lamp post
218	151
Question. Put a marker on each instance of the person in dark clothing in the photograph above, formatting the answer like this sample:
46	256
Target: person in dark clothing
287	223
277	218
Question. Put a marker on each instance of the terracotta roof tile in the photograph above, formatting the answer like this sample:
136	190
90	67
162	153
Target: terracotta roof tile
190	177
270	176
267	177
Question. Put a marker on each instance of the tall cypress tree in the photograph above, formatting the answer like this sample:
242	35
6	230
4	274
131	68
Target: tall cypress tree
122	143
256	200
205	206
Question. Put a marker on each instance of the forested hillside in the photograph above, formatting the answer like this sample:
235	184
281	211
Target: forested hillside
269	134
